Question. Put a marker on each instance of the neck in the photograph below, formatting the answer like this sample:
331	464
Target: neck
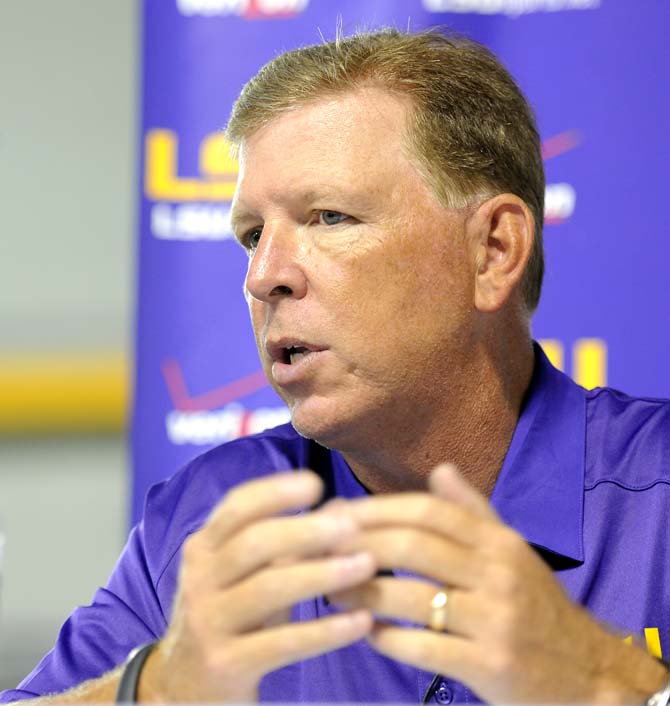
470	425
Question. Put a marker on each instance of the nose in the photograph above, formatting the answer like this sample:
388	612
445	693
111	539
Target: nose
274	270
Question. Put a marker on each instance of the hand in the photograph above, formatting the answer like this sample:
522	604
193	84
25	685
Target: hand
240	574
512	635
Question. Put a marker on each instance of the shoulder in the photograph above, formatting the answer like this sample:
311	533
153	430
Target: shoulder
195	489
628	439
181	504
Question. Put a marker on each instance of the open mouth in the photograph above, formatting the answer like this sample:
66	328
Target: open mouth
293	354
290	352
292	359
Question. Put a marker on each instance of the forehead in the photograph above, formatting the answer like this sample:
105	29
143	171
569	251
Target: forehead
355	137
349	117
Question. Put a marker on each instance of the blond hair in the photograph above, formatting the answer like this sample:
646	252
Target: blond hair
470	128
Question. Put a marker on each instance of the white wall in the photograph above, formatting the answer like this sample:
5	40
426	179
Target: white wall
62	506
68	76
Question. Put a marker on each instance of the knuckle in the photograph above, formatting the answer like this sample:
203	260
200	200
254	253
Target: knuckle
188	630
233	497
424	653
425	510
223	662
499	663
231	507
508	582
191	549
199	626
502	580
289	642
188	594
510	544
192	571
404	543
504	621
263	583
247	544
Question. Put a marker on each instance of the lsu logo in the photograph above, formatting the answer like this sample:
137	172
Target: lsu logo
248	9
188	208
652	639
218	170
589	360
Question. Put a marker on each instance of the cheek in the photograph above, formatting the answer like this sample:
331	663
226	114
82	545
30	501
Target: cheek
257	317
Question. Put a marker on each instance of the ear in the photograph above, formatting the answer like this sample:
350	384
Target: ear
502	232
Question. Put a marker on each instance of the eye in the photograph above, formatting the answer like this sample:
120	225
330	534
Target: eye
251	239
331	218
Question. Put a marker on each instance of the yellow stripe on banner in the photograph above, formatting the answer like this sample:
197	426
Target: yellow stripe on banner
553	349
589	363
653	640
63	393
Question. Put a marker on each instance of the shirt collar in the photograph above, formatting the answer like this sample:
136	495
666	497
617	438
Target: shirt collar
540	489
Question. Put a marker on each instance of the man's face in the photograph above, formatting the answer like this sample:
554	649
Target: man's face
359	285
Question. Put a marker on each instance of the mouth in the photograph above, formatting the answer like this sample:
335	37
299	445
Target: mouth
291	352
294	354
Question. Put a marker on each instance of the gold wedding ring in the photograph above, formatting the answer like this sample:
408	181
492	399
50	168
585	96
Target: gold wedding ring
438	611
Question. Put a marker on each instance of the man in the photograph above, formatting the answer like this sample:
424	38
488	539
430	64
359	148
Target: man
390	200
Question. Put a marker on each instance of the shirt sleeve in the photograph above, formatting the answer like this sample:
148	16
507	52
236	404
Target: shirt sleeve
98	637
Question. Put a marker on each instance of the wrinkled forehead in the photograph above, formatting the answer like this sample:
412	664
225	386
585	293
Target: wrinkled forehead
353	138
368	121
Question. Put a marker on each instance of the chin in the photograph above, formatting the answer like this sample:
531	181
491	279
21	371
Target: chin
328	426
317	430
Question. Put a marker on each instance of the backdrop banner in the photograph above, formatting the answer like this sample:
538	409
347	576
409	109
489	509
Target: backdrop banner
595	72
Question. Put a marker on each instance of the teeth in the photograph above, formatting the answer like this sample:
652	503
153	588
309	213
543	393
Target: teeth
295	353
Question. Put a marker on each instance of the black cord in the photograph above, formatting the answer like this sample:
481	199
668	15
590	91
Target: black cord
429	690
130	676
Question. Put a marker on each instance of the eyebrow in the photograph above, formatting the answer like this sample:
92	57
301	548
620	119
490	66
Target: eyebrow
239	216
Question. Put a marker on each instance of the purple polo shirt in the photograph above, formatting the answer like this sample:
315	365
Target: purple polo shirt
586	480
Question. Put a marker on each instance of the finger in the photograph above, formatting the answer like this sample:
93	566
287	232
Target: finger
448	483
410	600
450	655
260	498
420	552
336	504
396	598
423	511
267	650
275	539
250	603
